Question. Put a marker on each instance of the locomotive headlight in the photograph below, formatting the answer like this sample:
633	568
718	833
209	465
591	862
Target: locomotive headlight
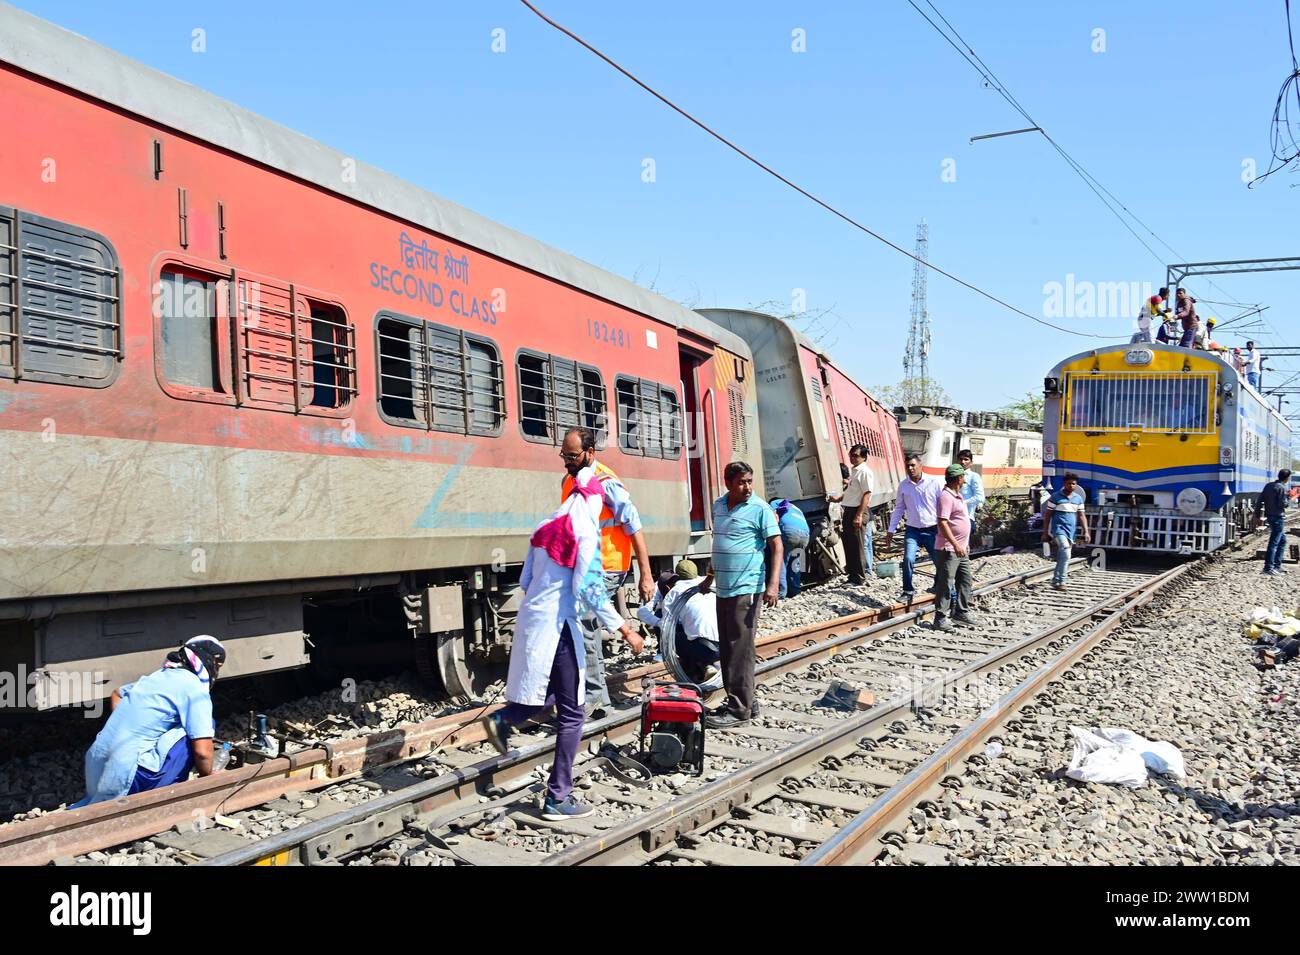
1225	456
1051	387
1191	500
1049	452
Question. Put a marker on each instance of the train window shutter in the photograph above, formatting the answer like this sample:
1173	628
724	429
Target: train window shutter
594	412
448	367
403	397
60	305
652	419
565	402
272	344
487	395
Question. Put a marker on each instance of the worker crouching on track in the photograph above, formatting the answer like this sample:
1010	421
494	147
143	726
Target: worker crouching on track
562	577
161	726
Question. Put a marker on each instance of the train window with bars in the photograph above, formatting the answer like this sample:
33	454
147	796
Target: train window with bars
60	302
1139	401
252	342
438	378
556	394
649	418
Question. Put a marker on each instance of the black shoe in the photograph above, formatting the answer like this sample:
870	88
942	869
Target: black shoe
724	721
857	581
497	732
966	620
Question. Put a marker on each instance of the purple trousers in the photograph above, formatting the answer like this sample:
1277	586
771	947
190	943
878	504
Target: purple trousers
562	693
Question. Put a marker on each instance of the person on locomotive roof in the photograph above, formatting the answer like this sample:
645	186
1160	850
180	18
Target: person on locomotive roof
1187	315
1066	511
1251	359
161	726
746	546
918	497
1154	307
620	538
562	578
972	488
1271	506
858	550
1202	339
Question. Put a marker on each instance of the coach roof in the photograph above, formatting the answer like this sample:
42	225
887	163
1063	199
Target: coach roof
49	51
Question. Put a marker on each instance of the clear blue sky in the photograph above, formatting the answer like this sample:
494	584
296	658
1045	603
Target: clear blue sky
547	139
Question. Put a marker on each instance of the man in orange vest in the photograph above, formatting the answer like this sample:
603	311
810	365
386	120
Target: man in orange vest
620	538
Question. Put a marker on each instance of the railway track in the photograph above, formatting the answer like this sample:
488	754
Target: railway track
800	783
317	765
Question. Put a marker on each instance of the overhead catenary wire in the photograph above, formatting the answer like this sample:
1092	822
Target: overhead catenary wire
800	189
967	52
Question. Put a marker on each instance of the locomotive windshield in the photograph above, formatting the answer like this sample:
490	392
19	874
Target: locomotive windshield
1138	401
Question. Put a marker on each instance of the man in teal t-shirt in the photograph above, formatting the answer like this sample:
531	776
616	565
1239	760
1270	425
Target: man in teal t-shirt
1064	513
746	539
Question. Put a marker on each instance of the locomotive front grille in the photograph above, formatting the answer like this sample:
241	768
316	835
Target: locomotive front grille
1167	531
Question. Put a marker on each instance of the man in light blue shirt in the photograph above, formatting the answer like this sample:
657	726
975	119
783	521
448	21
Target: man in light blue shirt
1063	515
746	539
973	490
918	499
161	726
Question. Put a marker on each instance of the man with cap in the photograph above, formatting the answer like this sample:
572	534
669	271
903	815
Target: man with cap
952	552
160	728
693	606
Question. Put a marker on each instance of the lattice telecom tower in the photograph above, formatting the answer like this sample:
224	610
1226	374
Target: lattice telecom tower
916	360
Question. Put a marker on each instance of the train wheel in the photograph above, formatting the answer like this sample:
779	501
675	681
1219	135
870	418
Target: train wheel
441	658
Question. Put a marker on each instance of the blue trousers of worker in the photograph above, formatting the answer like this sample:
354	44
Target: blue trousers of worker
1063	545
562	693
696	654
1276	542
914	540
175	768
792	564
1189	336
868	548
593	643
1252	379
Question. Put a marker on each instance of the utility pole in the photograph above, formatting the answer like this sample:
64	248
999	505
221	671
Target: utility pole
916	360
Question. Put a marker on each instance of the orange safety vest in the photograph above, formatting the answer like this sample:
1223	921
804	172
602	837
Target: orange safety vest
615	545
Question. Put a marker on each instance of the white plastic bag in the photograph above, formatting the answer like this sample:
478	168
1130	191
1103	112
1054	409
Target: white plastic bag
1098	760
1162	758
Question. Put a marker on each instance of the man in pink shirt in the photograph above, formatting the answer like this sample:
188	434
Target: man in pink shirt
952	557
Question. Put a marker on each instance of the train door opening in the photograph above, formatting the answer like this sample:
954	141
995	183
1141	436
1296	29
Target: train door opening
696	437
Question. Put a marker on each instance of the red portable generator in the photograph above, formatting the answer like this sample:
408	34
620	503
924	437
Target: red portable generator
672	728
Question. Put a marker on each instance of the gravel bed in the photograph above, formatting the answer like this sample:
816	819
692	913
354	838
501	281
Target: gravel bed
1182	672
838	599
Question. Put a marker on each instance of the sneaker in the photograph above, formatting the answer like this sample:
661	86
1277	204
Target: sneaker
709	673
1268	572
966	620
1056	585
724	720
596	711
907	596
569	808
943	624
497	732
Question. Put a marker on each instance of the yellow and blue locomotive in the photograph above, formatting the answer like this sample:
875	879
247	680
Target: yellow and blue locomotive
1171	445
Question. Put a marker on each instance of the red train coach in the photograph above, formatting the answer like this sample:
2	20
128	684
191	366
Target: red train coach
810	414
242	375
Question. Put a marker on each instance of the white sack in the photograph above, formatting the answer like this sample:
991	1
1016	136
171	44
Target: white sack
1098	760
1163	758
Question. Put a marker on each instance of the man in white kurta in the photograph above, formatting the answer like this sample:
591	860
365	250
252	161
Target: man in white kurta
562	576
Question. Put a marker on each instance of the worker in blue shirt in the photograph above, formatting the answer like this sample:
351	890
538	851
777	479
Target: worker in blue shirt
973	490
160	728
794	540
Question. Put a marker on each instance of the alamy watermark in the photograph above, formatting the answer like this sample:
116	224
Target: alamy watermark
1080	298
